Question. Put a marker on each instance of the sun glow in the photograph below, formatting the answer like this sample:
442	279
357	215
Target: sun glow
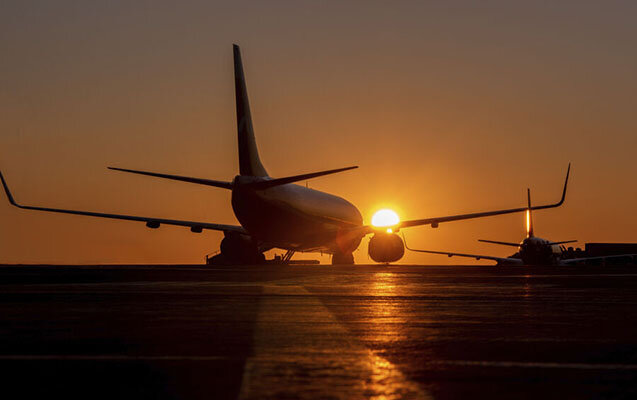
385	218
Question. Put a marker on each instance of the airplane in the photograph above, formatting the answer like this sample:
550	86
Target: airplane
536	251
276	213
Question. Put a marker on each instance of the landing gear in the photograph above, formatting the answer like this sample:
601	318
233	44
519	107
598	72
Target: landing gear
342	258
288	256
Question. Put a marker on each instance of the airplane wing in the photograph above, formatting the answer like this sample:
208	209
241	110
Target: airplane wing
151	222
437	220
618	258
499	260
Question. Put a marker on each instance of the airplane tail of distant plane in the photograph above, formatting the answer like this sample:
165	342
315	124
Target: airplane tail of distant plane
529	223
529	215
249	161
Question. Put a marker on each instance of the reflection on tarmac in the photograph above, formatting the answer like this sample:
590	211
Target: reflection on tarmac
299	342
318	332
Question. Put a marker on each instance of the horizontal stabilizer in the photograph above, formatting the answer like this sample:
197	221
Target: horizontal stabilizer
199	181
262	185
497	242
563	242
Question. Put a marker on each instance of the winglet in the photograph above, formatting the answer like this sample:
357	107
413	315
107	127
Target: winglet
559	203
7	191
568	171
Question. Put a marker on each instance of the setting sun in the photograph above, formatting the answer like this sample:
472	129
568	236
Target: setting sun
385	217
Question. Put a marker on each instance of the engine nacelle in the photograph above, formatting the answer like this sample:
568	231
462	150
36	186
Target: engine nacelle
240	249
386	247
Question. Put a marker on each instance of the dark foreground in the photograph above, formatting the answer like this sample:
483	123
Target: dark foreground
318	332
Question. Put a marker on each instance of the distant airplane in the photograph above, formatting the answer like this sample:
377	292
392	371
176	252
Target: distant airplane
534	250
275	213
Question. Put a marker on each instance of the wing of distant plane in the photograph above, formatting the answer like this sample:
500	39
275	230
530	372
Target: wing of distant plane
499	260
151	222
618	258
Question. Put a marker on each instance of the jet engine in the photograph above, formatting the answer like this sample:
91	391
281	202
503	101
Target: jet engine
240	249
386	247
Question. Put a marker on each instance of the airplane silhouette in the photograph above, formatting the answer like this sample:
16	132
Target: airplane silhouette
276	213
532	250
537	251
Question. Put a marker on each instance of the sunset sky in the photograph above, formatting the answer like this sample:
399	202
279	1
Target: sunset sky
447	107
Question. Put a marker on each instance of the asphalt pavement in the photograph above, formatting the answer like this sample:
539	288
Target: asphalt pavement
317	332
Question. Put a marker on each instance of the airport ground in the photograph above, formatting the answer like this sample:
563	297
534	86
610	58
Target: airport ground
318	332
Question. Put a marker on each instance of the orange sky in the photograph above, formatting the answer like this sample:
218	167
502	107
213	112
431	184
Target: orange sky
447	108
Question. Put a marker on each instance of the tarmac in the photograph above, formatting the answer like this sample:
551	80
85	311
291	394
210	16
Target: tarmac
318	332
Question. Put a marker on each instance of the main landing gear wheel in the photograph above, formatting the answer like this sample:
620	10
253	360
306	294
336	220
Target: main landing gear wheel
342	258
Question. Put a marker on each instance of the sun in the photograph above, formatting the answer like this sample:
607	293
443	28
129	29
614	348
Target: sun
385	218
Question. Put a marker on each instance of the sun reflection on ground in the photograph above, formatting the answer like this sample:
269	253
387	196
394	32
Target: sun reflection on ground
386	382
294	358
384	309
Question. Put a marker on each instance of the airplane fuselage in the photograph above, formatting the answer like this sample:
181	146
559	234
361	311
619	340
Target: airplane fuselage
538	251
294	217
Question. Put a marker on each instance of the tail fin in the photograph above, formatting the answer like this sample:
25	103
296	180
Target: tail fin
529	216
249	162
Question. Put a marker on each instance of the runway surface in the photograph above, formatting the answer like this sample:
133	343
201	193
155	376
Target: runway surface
318	332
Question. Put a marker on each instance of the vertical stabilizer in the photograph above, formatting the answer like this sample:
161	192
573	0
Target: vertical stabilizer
249	162
529	216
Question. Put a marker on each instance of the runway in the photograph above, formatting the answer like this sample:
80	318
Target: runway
318	332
